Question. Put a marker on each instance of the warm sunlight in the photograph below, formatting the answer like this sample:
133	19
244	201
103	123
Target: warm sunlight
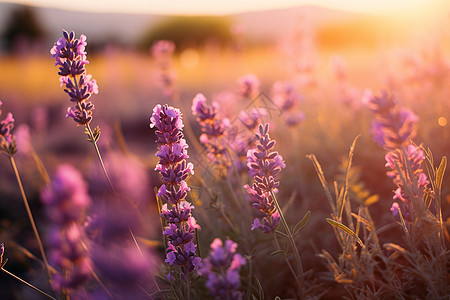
385	7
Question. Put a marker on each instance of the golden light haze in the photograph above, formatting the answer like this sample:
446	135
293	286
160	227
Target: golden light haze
383	7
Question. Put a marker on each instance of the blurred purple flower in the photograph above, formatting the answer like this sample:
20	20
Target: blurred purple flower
70	56
252	118
7	139
393	126
221	270
248	86
68	254
163	51
213	129
174	170
264	164
66	198
66	201
287	99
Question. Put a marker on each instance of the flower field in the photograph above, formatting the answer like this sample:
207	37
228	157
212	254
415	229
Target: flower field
287	171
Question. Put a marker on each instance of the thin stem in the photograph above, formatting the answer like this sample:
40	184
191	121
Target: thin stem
100	157
26	283
290	237
291	268
30	216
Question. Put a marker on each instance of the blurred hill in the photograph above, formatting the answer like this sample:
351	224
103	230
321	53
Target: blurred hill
332	26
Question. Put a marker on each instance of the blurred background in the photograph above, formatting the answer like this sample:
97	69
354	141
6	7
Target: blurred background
214	46
330	51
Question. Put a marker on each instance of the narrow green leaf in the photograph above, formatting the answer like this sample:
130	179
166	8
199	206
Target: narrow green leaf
260	289
281	233
322	179
402	220
346	230
440	172
301	223
278	252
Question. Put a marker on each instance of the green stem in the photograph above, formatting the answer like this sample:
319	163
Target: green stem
26	283
30	216
91	135
291	268
291	239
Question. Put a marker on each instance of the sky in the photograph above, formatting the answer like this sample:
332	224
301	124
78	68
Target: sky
383	7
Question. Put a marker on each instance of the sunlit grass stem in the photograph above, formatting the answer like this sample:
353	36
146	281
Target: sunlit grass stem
30	216
26	283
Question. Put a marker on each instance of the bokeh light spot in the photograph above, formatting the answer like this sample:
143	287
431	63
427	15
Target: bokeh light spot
442	121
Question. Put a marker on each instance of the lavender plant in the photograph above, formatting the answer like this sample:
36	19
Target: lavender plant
66	201
214	132
264	164
71	57
179	224
221	270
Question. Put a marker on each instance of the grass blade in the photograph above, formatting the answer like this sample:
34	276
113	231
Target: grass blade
346	230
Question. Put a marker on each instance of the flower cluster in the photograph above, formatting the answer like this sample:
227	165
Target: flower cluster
70	56
213	129
66	201
392	127
221	270
414	158
264	164
7	140
287	99
174	171
248	86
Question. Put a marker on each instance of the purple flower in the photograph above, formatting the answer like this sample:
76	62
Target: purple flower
248	86
174	171
7	140
69	255
414	160
213	129
393	127
66	198
221	270
70	56
162	51
252	118
66	201
264	164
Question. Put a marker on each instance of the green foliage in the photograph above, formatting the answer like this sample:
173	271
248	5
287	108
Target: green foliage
187	31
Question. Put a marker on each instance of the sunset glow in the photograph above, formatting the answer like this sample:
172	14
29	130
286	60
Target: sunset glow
383	7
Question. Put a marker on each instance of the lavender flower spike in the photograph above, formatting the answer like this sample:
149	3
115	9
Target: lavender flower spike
392	127
214	129
264	164
7	141
221	270
66	201
174	171
70	56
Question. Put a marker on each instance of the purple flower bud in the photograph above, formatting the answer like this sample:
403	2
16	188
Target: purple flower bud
66	198
264	164
174	170
70	56
248	86
393	127
221	270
